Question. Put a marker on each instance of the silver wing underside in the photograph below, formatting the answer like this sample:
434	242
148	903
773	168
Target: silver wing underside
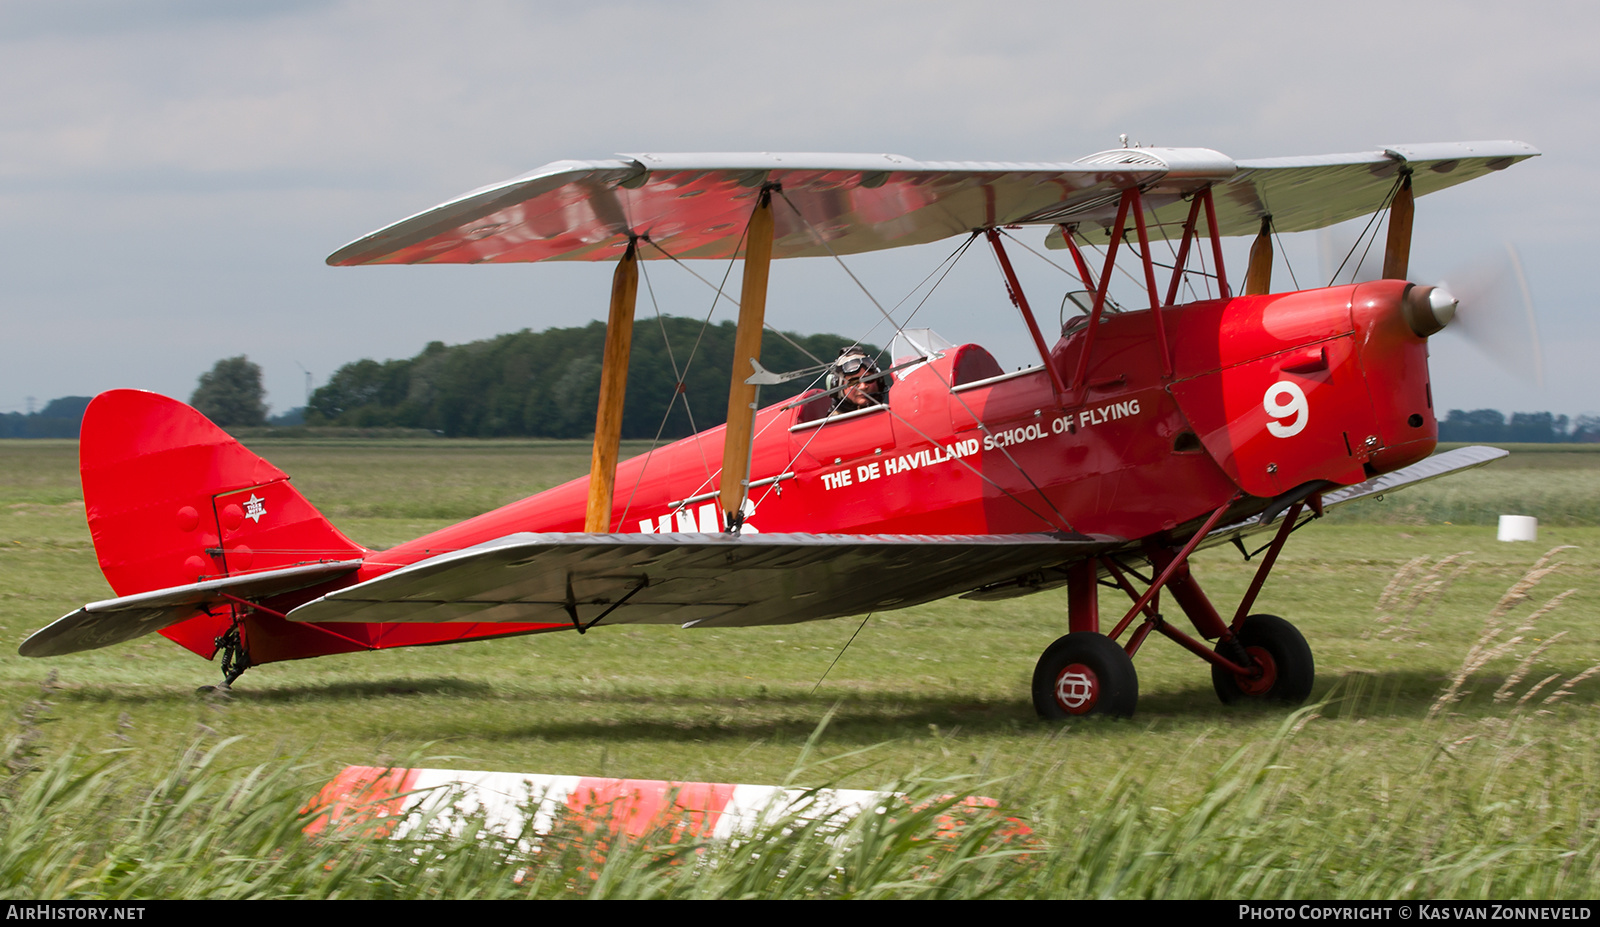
700	580
1439	465
697	205
114	621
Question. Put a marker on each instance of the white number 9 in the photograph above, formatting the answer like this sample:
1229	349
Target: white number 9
1284	399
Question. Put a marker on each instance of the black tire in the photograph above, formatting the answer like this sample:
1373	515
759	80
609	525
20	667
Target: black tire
1283	654
1085	674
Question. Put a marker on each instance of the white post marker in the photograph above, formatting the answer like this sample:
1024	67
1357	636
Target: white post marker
1519	528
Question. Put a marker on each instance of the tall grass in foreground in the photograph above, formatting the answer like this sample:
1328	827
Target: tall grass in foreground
1466	823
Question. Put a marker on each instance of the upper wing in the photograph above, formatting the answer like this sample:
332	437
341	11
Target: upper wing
1314	192
704	580
697	205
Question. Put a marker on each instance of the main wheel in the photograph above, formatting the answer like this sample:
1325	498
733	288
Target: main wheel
1287	670
1085	674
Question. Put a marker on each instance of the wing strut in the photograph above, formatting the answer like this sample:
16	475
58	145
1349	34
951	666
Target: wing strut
1082	370
1150	282
1018	299
1397	251
746	348
613	387
1069	235
1223	291
1181	262
1258	276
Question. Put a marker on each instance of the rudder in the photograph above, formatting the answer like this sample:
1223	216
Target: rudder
173	499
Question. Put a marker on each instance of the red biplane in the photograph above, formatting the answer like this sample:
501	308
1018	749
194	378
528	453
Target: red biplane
1143	434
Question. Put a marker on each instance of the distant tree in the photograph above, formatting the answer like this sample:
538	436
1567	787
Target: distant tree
1586	428
1537	427
295	416
231	393
1487	418
70	407
548	383
60	418
1477	425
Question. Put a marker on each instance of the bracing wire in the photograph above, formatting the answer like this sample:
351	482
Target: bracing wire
1388	200
840	654
768	326
947	265
720	291
671	402
982	426
1272	224
684	373
1119	268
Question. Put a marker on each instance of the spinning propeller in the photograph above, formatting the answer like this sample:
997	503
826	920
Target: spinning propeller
1497	313
1486	301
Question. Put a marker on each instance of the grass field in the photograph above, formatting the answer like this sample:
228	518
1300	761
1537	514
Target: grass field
1380	791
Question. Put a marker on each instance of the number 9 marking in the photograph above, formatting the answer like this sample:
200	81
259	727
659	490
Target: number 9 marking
1277	407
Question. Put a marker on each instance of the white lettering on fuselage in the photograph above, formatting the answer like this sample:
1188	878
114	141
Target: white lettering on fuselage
993	441
1108	413
923	458
708	519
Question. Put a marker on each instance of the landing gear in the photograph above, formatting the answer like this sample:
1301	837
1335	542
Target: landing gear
1260	657
235	660
1085	673
1280	653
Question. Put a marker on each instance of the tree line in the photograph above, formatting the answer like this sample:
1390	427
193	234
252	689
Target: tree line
1492	427
58	419
547	384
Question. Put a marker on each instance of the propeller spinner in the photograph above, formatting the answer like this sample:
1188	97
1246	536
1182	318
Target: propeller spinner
1495	319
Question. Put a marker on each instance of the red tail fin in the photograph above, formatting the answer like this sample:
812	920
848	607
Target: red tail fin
173	499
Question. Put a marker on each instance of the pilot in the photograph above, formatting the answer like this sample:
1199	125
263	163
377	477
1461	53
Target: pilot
860	384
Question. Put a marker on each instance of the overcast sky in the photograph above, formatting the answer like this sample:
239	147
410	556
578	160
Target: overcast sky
172	174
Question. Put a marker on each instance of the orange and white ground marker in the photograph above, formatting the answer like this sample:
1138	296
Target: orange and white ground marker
398	801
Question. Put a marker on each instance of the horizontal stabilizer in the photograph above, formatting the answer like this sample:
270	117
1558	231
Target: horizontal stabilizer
692	579
114	621
1445	464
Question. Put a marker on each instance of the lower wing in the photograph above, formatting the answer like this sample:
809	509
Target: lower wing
699	580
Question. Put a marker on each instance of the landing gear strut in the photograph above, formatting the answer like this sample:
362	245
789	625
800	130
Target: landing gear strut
235	658
1259	657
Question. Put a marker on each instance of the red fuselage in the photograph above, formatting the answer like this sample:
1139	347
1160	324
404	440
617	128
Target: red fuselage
1129	454
1267	394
